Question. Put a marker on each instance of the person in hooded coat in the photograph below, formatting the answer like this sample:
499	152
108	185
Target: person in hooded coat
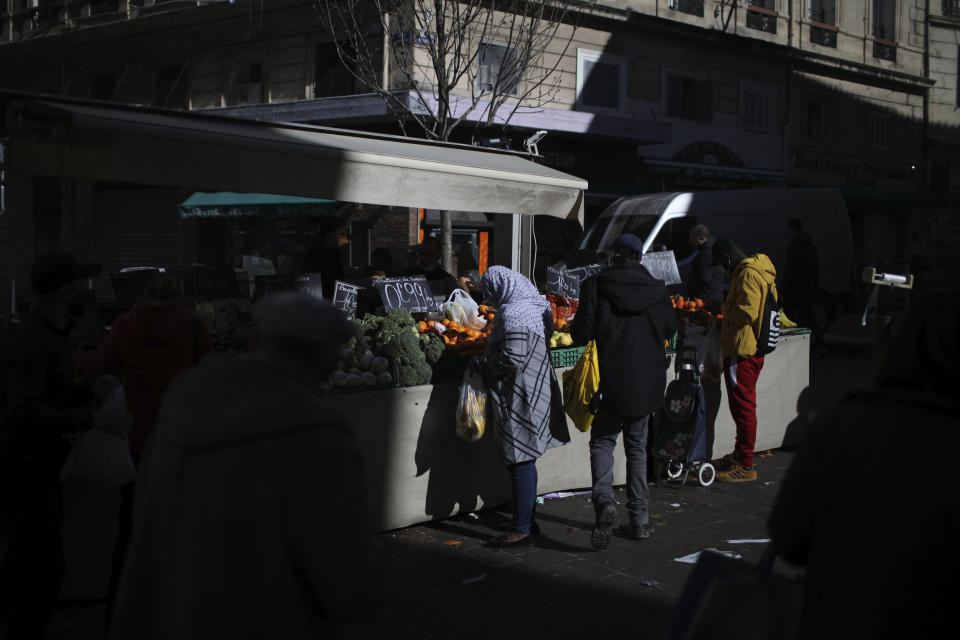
628	313
250	514
523	390
750	279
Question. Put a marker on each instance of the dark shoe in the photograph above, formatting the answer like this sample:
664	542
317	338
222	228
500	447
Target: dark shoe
636	531
600	536
510	539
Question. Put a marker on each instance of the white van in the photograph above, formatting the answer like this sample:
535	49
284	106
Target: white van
755	220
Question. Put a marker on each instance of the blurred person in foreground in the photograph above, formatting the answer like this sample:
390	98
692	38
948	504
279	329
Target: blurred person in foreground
750	279
147	347
627	311
40	407
523	389
882	553
250	514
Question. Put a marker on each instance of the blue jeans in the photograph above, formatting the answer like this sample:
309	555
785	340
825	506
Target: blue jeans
523	479
603	438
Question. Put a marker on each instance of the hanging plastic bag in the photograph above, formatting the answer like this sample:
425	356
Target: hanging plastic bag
99	457
461	308
472	407
580	384
711	359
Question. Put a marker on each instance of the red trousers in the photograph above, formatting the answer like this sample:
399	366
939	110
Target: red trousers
740	376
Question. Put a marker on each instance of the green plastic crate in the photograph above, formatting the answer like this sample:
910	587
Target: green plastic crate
565	356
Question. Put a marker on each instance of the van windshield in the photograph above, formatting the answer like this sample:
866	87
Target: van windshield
628	215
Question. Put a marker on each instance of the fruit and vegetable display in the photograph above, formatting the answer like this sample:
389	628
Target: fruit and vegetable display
562	308
460	333
693	310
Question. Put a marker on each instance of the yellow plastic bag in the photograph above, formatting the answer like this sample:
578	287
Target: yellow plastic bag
579	386
472	407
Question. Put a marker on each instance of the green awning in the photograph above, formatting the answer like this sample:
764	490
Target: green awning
228	204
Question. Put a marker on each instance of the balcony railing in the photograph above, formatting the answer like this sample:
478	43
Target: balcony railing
885	50
761	18
823	34
693	7
951	8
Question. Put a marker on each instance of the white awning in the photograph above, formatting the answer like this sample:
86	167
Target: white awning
159	147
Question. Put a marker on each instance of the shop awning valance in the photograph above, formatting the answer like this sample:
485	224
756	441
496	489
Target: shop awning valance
137	145
228	204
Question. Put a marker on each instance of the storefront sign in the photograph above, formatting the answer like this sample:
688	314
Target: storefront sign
662	265
413	293
845	170
345	298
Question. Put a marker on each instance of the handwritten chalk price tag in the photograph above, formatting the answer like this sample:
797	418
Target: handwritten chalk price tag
562	282
662	265
413	293
308	283
345	298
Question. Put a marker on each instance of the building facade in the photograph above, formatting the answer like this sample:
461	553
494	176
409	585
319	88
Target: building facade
651	95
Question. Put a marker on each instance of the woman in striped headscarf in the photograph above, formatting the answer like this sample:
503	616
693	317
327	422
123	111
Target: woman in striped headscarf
523	390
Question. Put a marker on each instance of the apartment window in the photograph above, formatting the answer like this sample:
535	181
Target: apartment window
693	7
823	11
951	8
762	16
246	83
498	69
819	120
757	108
171	86
601	81
879	125
687	97
884	19
330	77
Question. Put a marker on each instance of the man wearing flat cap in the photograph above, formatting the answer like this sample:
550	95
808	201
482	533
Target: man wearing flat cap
629	315
40	407
250	515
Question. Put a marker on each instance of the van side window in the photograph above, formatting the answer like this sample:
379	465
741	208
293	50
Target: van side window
675	236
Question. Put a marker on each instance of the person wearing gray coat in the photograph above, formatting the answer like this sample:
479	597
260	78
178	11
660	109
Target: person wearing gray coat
522	389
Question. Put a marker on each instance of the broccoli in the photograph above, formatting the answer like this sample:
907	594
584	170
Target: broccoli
394	336
432	346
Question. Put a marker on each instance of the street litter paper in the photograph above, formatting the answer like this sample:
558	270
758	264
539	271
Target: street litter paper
565	494
692	558
749	541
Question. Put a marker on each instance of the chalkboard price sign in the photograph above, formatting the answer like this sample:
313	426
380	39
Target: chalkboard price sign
662	265
308	283
345	298
561	282
586	271
413	293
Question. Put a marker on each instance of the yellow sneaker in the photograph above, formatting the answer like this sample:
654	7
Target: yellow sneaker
738	473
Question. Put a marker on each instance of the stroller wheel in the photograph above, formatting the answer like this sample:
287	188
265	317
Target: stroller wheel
674	469
706	474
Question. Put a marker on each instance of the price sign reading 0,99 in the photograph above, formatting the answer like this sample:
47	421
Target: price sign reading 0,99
413	293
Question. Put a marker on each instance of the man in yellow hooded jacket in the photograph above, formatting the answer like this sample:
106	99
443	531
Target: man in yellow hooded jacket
750	278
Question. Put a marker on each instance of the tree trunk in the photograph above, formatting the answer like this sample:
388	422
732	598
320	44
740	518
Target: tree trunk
446	241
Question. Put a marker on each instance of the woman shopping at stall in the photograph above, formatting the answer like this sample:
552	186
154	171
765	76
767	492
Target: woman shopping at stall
523	389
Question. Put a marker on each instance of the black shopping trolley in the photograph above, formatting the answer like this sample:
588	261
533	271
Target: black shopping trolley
681	440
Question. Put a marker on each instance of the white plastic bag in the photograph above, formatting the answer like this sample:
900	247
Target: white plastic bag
472	407
99	457
462	309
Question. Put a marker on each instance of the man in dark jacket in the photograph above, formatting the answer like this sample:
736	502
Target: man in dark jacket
40	407
250	515
628	313
705	280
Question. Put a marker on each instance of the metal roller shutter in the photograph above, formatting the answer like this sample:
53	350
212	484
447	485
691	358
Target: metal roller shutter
136	227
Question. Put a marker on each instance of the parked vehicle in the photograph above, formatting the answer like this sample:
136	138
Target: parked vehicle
756	220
